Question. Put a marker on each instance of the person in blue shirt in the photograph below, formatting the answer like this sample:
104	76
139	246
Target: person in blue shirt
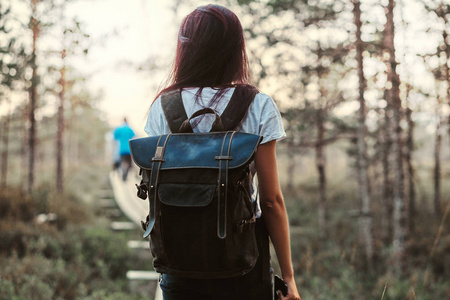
122	134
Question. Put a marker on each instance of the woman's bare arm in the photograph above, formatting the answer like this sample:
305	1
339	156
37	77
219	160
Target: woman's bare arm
274	212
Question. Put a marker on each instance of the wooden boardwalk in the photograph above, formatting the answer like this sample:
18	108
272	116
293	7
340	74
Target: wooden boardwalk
136	210
125	194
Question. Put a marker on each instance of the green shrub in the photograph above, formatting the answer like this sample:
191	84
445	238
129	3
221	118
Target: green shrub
106	252
6	289
34	288
64	260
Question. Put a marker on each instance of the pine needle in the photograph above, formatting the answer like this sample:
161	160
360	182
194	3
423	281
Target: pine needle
384	291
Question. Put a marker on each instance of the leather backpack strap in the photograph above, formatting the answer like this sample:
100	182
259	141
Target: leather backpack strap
232	116
154	181
173	109
238	106
222	181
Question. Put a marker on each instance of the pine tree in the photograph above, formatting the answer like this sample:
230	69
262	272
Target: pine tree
35	27
363	177
400	209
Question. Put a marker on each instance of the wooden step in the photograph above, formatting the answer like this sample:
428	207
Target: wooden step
123	226
138	244
142	275
136	278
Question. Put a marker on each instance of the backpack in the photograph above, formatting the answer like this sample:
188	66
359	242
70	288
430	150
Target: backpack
201	218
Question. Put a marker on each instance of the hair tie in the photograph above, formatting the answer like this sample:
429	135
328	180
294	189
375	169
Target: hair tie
183	39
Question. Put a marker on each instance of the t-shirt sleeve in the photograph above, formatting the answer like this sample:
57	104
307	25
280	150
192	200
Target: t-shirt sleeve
270	121
154	125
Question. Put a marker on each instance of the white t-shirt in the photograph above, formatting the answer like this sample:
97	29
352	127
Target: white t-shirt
262	118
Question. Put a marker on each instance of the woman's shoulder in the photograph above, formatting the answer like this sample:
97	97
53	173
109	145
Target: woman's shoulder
156	105
262	97
263	118
263	102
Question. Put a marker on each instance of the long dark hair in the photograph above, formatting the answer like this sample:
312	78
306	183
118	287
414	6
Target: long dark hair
210	51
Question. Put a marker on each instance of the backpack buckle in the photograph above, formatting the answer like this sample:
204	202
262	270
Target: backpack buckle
223	157
144	225
141	191
245	225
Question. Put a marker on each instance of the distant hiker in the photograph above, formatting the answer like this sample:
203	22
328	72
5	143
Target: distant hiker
200	173
122	134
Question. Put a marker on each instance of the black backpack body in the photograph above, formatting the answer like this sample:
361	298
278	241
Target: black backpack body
201	218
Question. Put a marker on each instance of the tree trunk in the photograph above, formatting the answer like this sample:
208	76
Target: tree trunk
23	150
34	25
384	138
320	164
443	12
447	67
400	212
60	130
32	129
5	143
437	163
410	172
363	178
409	145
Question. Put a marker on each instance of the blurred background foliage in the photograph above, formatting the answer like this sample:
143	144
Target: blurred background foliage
364	91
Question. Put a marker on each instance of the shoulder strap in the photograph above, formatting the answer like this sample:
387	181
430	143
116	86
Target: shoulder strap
173	109
238	106
232	116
